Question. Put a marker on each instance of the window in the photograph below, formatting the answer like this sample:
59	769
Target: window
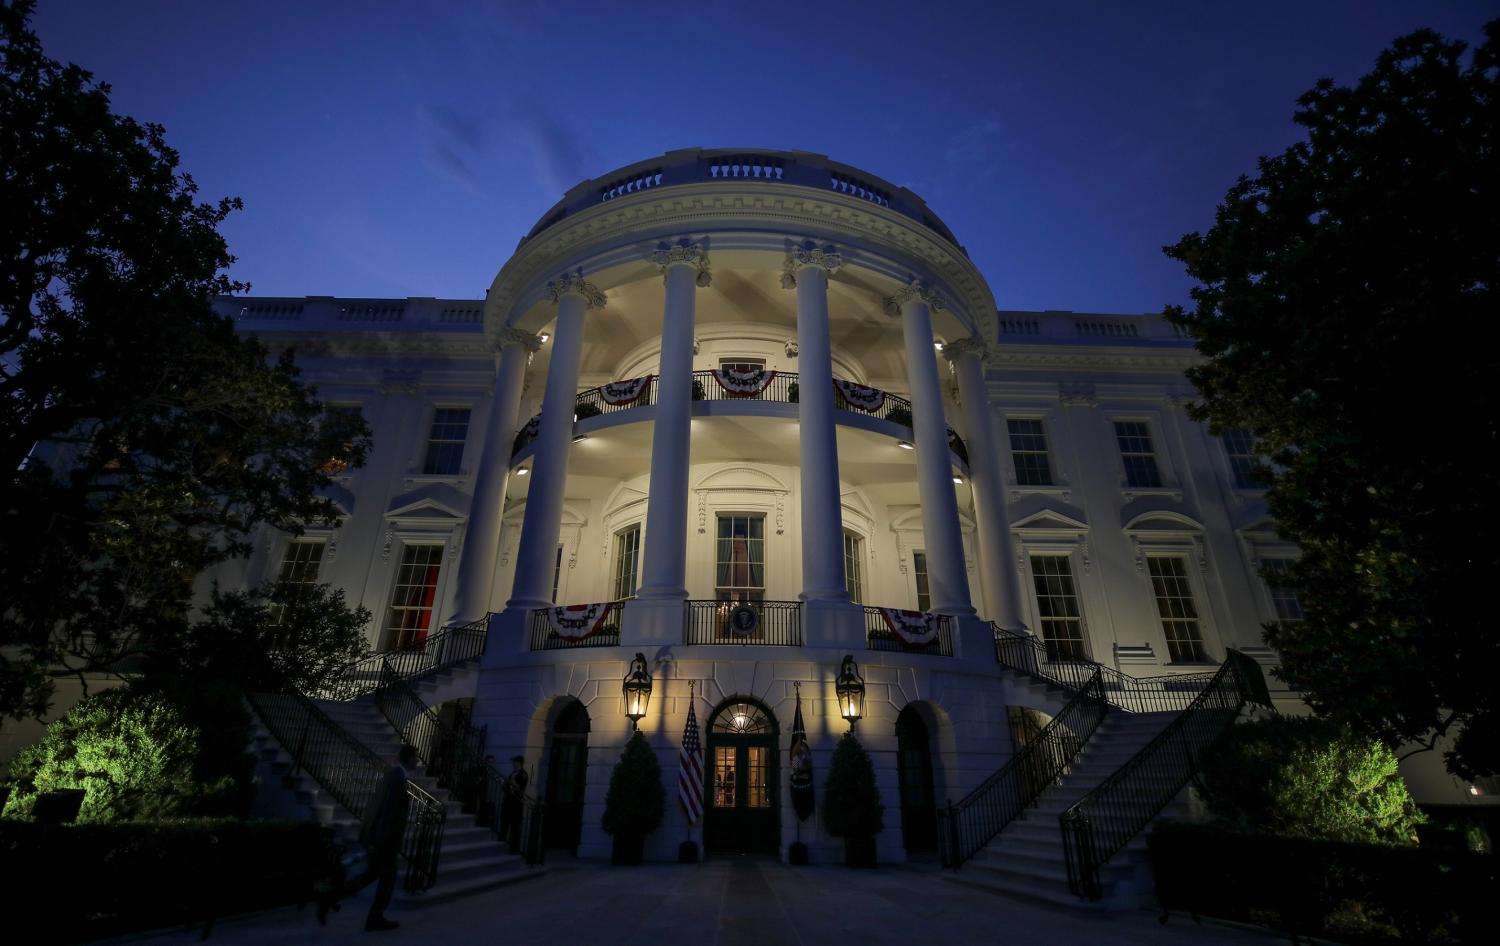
299	570
1028	448
627	561
919	570
445	447
1057	607
854	549
1283	595
1174	602
340	417
740	574
557	574
412	599
741	364
1240	447
1139	456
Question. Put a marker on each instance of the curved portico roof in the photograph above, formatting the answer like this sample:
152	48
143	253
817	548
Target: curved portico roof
703	165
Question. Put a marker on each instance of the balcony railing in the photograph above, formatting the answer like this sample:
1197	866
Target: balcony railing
603	629
880	636
775	623
783	388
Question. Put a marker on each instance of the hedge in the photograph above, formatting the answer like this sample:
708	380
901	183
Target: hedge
1355	893
82	882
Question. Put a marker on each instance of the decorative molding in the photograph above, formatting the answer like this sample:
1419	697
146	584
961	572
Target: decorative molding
702	511
804	256
400	381
973	345
1079	394
509	336
914	291
780	513
697	345
691	254
791	348
385	550
575	283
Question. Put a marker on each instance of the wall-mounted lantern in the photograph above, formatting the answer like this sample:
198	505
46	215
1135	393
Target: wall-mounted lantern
850	687
637	689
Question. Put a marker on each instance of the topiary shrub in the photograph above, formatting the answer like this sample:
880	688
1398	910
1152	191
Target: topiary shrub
586	409
636	801
793	392
851	802
899	415
698	392
138	754
1307	778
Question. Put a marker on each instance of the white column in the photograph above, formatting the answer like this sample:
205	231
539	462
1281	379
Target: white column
1002	586
822	503
476	567
946	576
549	462
664	565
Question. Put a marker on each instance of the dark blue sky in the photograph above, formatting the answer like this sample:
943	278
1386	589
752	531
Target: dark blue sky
394	149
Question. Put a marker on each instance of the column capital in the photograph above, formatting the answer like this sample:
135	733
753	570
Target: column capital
510	336
804	256
973	345
575	283
914	291
687	254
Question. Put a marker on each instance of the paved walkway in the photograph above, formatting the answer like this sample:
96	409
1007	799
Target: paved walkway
730	902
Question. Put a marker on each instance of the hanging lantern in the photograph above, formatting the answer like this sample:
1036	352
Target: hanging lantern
850	687
637	689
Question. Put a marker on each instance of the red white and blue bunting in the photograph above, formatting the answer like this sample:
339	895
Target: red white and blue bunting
744	383
621	393
576	622
860	397
914	629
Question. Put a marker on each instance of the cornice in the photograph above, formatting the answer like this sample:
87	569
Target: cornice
380	344
1012	356
745	215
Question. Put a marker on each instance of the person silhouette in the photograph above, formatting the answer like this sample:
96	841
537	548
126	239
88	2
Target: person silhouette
381	831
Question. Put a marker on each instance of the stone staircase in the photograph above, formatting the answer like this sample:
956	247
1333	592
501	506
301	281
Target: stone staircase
472	860
1027	858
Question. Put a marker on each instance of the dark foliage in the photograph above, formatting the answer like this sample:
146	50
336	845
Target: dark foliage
636	801
851	799
1342	289
146	438
1356	893
83	882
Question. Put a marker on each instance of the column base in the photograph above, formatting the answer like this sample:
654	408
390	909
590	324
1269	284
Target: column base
509	634
836	624
653	621
974	640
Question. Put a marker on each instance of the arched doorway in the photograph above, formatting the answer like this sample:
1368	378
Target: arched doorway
914	775
567	767
743	792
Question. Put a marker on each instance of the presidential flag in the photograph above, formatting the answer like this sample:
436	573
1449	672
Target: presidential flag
802	777
690	769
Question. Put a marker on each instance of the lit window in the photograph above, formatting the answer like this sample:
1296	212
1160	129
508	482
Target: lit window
854	548
413	598
627	561
1283	595
1240	447
1057	607
919	571
741	364
1028	449
1138	454
1179	615
445	447
740	572
340	417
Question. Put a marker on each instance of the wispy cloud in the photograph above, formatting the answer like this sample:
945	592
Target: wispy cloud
973	145
455	143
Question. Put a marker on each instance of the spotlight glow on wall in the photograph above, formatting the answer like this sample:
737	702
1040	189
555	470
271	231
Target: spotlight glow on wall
524	471
904	445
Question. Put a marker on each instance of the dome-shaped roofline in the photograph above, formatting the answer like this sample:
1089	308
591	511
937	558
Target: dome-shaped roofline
700	165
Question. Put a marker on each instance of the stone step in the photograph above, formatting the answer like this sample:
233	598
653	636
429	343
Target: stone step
1021	888
460	869
443	892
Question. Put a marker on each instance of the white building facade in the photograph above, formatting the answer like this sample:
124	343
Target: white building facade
738	401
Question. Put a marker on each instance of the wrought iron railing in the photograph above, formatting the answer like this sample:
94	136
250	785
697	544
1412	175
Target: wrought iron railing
784	389
351	773
776	623
1167	693
591	403
1103	821
454	755
968	825
879	636
544	637
448	647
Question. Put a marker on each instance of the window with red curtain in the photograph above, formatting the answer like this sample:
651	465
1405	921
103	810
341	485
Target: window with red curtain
412	598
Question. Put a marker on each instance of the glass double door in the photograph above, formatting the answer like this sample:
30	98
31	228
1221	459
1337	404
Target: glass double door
741	814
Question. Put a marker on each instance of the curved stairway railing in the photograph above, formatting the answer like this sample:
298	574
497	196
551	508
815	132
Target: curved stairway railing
455	756
1167	693
968	825
446	648
351	773
1103	821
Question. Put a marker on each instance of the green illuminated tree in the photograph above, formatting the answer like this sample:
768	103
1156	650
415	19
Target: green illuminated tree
1346	308
143	440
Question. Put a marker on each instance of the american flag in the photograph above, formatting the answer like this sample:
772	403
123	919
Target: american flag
690	771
